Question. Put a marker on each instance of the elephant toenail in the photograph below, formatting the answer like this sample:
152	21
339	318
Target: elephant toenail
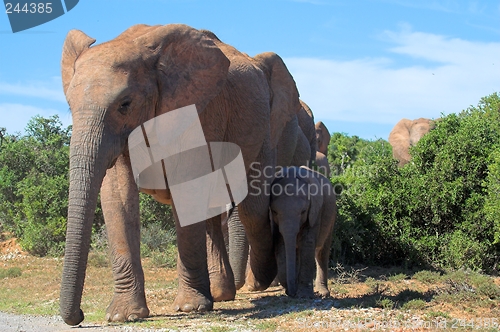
118	318
133	317
108	317
188	307
203	307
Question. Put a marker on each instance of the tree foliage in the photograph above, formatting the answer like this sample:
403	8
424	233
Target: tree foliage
441	209
34	184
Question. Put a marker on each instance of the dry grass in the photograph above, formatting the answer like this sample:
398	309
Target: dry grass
361	298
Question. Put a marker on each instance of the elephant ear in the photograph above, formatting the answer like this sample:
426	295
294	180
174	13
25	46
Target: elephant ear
190	68
75	44
306	123
399	138
284	94
418	129
315	193
324	137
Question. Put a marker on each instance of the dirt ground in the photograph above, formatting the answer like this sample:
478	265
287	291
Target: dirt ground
362	299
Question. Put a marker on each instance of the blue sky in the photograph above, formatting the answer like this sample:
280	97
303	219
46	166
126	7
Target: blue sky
361	65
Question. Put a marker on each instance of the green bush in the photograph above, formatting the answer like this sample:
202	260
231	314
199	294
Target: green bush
156	213
159	243
156	237
34	185
428	277
441	209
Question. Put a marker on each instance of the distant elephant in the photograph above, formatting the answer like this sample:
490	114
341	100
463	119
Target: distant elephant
323	138
296	147
407	133
113	88
303	211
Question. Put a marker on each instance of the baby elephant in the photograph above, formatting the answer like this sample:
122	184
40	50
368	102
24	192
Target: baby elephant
303	211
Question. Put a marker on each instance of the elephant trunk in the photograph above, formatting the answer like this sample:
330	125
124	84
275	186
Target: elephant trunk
238	248
290	253
88	164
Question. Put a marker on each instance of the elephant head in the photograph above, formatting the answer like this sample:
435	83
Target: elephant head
112	88
323	137
295	206
405	134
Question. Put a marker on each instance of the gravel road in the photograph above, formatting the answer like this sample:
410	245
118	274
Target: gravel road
26	323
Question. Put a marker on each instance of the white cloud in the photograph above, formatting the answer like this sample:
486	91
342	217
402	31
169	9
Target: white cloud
50	90
377	90
15	117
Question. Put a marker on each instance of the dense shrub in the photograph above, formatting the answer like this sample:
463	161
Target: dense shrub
34	185
440	209
156	214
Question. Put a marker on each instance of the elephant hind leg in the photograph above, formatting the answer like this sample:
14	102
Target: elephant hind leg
322	258
221	276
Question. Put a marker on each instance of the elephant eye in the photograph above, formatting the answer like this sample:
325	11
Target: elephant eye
123	109
303	212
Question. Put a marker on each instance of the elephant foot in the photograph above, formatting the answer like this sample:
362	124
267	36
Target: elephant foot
304	293
251	284
222	289
122	309
192	301
275	283
322	292
254	285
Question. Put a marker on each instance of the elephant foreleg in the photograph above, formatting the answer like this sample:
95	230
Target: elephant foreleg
193	291
120	205
306	265
221	276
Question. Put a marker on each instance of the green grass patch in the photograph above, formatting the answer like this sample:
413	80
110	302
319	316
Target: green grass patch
397	277
12	272
427	277
437	314
384	303
166	258
415	304
266	326
98	259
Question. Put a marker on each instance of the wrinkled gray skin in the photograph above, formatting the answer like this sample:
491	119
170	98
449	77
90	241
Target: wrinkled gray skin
296	147
303	212
323	140
405	134
114	87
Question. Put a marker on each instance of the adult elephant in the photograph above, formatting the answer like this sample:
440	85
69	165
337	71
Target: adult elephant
405	134
323	138
296	147
113	88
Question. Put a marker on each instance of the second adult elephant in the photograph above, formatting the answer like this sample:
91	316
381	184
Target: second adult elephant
405	134
115	87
